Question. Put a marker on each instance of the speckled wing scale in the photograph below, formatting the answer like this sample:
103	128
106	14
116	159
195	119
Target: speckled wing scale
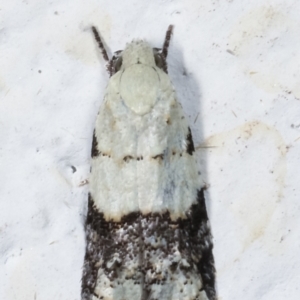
147	231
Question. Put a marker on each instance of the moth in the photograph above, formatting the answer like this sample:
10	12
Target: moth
147	231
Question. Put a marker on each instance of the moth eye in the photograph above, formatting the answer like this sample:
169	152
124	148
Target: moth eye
118	64
159	60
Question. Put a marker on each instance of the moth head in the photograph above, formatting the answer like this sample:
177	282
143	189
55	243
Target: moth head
138	52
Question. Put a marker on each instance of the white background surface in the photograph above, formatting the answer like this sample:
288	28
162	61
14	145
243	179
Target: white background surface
235	66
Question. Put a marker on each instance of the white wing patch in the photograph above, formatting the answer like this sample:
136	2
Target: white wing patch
148	235
139	82
142	164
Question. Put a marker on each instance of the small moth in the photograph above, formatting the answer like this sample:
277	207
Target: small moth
147	230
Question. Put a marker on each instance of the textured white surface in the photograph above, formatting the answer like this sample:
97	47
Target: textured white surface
235	66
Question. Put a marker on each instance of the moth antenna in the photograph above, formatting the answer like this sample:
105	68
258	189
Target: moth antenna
102	48
167	41
100	43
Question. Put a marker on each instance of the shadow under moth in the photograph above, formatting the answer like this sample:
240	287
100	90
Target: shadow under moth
147	231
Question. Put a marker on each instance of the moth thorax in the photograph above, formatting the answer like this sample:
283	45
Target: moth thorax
138	52
139	85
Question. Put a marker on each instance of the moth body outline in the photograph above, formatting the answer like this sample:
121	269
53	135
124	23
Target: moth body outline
148	234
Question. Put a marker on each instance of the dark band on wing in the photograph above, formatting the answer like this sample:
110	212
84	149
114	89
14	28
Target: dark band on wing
128	240
95	152
94	226
190	144
206	265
